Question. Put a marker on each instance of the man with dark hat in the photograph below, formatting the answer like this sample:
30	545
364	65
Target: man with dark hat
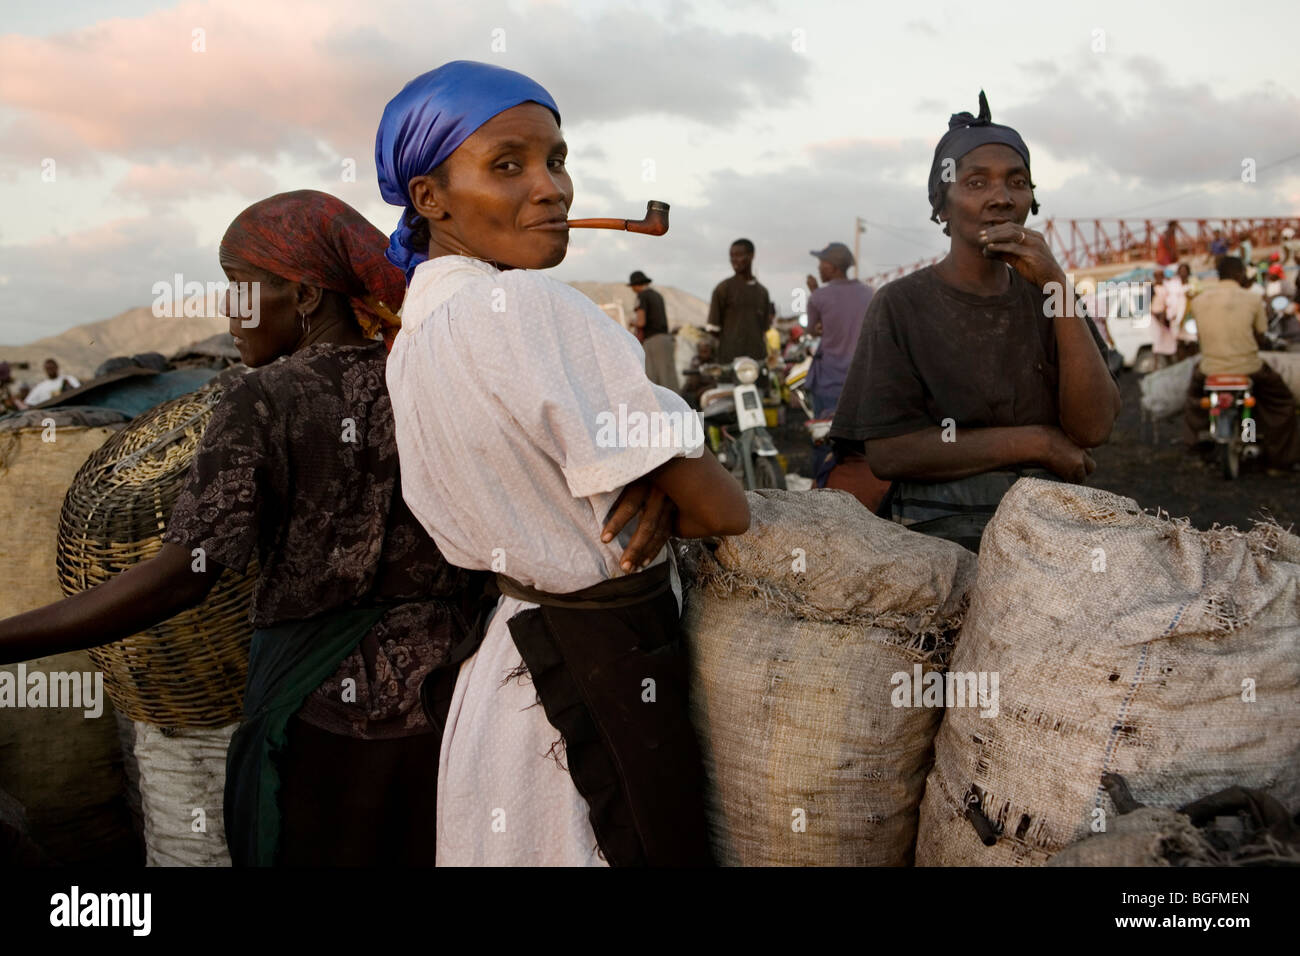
976	371
652	329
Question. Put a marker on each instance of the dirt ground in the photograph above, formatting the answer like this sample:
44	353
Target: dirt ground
1163	475
1156	474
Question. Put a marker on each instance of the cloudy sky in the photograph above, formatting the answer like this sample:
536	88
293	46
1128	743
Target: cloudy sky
131	133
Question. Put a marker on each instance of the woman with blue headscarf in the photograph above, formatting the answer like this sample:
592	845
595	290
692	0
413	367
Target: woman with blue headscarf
524	416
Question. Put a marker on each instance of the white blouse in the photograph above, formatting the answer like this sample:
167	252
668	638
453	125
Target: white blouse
517	403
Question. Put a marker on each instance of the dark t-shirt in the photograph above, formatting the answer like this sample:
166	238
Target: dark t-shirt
656	318
740	308
299	466
929	352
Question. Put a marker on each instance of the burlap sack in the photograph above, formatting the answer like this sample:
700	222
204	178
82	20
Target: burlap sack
182	777
34	477
1124	643
1149	836
1164	391
1287	365
64	767
795	631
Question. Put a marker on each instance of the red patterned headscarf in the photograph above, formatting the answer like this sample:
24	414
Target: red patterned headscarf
313	237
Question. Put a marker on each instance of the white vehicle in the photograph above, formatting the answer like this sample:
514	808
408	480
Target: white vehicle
1127	309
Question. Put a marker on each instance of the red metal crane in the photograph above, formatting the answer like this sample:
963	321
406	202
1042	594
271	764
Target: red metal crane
1084	243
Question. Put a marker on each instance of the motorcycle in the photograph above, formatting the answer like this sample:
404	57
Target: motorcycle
1232	428
736	424
818	429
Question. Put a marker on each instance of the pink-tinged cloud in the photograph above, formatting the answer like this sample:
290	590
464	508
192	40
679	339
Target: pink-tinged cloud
166	182
310	79
201	80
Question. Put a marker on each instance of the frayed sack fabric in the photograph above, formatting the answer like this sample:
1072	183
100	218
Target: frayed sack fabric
1149	836
801	633
182	776
1123	643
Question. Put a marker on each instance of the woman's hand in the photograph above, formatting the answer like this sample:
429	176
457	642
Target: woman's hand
140	597
1026	251
658	515
1064	458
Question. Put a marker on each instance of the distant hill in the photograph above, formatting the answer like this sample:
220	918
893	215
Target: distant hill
80	350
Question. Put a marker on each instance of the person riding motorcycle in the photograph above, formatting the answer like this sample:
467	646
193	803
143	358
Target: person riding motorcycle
1231	322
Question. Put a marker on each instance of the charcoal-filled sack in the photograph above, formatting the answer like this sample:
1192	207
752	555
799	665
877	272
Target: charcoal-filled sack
1287	365
1234	827
1123	642
1164	391
1149	836
60	757
182	779
805	636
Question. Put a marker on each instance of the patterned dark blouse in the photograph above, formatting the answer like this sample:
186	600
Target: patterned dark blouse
299	463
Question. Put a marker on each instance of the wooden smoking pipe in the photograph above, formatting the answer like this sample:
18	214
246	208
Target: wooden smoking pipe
655	222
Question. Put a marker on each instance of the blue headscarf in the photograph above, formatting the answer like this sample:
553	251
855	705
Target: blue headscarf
428	120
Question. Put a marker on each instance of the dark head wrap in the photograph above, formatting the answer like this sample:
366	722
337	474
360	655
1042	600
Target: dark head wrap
965	133
425	123
313	237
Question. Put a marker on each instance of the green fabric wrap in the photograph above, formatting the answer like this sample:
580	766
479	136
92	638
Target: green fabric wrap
285	664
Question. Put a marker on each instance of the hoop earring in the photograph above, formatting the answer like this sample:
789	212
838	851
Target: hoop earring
304	324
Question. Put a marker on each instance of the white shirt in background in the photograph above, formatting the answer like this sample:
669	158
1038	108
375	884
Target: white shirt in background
50	388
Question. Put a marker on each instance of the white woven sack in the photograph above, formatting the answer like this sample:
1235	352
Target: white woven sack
796	631
1124	642
182	789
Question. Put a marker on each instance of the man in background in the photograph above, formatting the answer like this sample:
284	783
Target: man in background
652	329
740	309
1229	321
53	386
836	310
10	400
697	380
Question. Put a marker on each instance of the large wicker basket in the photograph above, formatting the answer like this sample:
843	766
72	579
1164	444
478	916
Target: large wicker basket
188	671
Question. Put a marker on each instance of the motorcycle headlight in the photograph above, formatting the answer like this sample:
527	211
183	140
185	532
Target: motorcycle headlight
746	371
